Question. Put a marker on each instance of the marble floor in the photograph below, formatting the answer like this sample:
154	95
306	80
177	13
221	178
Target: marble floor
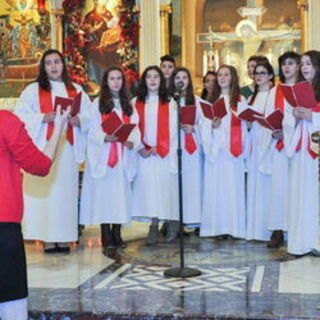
239	280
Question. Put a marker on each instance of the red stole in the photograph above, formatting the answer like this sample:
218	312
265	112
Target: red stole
279	105
46	106
235	134
113	157
163	130
189	142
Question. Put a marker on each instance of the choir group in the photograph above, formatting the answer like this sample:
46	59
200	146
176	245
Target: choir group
240	179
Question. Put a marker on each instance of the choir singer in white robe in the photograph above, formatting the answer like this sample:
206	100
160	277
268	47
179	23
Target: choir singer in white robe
51	213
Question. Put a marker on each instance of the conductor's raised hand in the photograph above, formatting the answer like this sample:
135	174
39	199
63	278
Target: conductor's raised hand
61	117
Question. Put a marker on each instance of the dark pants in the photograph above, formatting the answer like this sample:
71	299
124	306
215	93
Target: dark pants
13	271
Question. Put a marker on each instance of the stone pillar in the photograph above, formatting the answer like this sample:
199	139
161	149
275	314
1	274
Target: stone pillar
165	11
149	37
313	24
57	29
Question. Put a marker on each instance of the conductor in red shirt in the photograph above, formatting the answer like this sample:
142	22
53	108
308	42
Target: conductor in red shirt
17	152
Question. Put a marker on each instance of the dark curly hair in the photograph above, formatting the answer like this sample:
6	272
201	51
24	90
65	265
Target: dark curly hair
142	91
43	79
106	103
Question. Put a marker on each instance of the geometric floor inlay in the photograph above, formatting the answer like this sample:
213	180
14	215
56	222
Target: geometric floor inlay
143	277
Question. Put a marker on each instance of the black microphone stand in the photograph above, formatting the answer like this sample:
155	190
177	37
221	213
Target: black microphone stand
182	271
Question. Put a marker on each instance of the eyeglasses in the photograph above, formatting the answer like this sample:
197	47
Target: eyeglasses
262	73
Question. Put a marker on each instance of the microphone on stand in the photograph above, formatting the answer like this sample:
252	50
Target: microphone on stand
181	271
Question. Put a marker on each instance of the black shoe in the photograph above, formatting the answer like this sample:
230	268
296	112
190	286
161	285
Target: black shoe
116	233
276	240
107	236
63	249
51	250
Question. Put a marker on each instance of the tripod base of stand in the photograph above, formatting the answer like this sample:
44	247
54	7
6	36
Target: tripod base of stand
182	273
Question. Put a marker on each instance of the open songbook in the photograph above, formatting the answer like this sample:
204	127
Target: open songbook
300	94
246	112
114	126
273	121
188	115
75	103
218	109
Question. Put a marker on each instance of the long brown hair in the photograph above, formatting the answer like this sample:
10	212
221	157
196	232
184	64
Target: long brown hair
106	103
234	90
142	91
315	60
43	79
190	100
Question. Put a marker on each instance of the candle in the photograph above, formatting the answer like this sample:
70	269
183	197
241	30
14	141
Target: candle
216	58
204	62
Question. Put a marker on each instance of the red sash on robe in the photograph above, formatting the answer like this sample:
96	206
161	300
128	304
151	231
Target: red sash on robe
189	143
163	130
299	144
279	105
235	134
46	106
113	157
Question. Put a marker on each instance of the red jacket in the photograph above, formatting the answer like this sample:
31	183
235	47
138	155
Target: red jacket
16	151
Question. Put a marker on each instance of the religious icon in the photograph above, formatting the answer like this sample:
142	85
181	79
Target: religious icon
100	23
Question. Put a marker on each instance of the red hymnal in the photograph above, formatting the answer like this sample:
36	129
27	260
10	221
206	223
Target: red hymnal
76	104
249	114
66	102
188	115
219	108
63	102
113	125
207	110
273	121
300	94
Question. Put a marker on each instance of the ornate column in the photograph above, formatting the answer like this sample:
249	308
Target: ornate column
303	8
312	7
149	37
57	29
165	11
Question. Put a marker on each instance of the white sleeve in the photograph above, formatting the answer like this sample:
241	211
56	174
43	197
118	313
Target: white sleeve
97	148
80	134
130	157
28	110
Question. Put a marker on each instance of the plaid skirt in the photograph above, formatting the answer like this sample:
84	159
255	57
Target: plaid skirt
13	270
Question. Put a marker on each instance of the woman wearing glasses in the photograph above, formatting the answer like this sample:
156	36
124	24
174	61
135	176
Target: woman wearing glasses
258	185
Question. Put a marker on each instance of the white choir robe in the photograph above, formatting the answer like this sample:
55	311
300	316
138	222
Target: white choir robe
258	183
303	221
276	163
155	186
223	209
106	192
192	172
51	202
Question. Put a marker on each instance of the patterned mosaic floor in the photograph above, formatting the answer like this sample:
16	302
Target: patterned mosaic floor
239	280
